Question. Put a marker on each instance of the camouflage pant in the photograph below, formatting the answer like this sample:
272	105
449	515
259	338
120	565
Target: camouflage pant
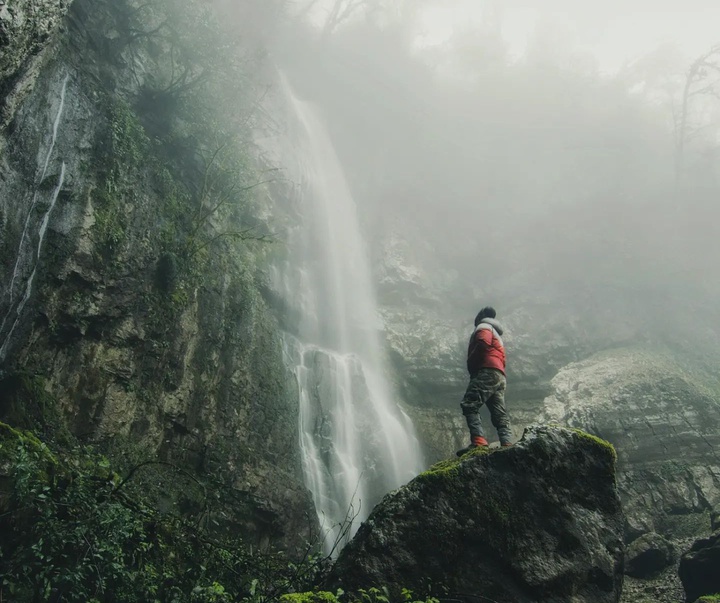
487	386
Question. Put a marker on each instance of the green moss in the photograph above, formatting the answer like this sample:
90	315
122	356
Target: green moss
129	140
11	439
309	597
443	469
604	444
27	404
110	227
709	599
498	511
449	467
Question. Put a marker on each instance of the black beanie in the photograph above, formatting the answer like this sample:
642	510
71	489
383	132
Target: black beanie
486	312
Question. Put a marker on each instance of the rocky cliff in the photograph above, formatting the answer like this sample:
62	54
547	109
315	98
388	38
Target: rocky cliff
659	412
26	28
131	253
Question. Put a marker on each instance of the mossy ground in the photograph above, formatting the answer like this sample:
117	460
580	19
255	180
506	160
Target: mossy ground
449	467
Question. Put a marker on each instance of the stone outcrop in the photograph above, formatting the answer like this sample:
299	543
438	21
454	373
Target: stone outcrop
649	555
699	568
540	521
660	417
25	27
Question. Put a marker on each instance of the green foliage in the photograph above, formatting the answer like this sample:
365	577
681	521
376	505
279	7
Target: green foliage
309	597
129	142
364	595
110	222
72	532
372	594
709	599
183	138
127	149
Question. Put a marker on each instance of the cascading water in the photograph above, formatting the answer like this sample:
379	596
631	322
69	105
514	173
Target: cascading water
356	442
26	253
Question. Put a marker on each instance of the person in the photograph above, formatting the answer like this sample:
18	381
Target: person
486	365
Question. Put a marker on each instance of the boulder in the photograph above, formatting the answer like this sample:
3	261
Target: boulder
648	555
539	521
700	568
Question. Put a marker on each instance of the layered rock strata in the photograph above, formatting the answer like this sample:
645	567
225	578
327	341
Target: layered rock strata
660	415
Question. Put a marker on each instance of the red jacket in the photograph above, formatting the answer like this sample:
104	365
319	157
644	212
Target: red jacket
486	349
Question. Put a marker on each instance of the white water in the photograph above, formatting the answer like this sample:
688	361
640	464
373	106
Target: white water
28	287
25	237
356	442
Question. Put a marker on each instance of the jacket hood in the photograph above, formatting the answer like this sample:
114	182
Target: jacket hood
493	323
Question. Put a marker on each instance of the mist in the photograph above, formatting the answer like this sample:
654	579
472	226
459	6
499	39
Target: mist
508	158
248	251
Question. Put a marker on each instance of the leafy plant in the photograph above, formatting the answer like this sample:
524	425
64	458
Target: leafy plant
72	532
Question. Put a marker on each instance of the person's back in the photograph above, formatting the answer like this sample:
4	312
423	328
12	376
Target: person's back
486	365
486	349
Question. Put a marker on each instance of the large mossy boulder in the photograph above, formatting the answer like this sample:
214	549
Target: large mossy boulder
700	568
540	521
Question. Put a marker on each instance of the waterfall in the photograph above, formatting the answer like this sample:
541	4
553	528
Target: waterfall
24	247
356	442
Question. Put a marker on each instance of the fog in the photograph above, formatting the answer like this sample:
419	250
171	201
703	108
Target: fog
568	154
613	33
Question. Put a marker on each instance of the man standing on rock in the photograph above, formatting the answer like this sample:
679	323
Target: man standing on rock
486	365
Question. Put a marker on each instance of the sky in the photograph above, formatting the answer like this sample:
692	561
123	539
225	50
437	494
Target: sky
614	31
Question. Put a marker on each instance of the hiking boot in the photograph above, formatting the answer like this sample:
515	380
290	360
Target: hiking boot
477	442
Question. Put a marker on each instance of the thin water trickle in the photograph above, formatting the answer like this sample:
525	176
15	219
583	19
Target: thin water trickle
25	253
356	442
43	172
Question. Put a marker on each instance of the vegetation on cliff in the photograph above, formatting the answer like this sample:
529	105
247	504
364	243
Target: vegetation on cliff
75	530
147	335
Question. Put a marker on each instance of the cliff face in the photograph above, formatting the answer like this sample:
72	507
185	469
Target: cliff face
540	521
660	416
128	301
26	27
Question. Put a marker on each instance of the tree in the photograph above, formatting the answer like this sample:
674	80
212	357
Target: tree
689	97
336	12
702	80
